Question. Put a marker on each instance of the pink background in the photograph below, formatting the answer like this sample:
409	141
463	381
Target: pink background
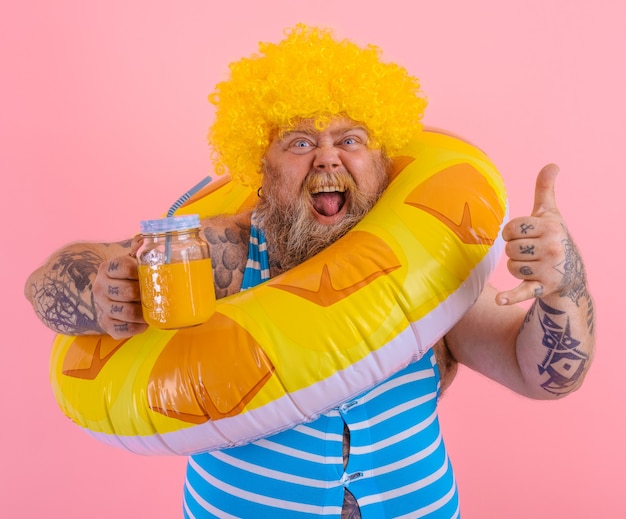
103	123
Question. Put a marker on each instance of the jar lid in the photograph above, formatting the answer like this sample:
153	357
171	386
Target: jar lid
171	223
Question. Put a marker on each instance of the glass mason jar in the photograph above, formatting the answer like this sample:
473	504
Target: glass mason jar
175	274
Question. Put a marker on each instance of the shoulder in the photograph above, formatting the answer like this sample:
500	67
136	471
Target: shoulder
228	238
227	228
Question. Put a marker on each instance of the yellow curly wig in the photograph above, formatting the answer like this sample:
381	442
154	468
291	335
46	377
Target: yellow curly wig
309	75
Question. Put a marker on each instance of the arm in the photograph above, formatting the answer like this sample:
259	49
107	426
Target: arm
89	288
92	288
544	352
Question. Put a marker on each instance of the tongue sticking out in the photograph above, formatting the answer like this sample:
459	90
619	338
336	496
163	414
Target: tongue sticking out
328	204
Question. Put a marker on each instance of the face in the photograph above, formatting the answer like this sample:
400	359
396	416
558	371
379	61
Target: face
327	167
317	185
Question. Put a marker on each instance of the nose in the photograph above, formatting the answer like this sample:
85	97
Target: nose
327	158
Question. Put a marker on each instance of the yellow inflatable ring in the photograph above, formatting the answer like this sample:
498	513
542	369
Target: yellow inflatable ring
310	339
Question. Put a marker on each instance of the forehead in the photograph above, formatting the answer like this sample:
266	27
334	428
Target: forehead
336	125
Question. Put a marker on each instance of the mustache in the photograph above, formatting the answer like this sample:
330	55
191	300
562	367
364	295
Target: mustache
317	180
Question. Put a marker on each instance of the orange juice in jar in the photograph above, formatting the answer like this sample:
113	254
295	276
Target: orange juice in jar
175	274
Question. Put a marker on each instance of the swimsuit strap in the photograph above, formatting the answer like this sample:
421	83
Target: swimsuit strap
258	264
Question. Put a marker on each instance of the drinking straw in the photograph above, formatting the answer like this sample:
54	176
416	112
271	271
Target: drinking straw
180	201
183	198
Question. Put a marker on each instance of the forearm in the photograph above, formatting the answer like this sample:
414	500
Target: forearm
555	343
543	353
61	291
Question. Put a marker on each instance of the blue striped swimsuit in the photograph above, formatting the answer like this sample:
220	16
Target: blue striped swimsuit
397	467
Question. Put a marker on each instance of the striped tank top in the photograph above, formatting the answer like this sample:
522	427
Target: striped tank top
397	464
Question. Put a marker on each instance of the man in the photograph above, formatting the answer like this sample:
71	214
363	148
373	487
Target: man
314	122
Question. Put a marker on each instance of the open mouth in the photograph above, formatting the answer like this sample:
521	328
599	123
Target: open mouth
328	200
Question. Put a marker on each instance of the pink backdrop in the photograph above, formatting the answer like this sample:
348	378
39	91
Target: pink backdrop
103	123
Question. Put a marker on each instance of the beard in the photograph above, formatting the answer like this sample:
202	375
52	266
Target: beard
293	234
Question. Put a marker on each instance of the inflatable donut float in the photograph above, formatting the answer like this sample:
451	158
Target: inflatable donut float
310	339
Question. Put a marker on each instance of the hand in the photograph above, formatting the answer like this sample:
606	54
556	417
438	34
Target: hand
117	297
538	245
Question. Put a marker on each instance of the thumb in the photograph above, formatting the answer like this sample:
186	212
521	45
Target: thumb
545	199
135	244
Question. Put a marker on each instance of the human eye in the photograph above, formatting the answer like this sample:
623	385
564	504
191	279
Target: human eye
352	141
353	137
300	145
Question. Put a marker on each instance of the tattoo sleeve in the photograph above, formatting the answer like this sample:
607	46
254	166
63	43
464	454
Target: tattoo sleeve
573	282
228	256
63	297
564	363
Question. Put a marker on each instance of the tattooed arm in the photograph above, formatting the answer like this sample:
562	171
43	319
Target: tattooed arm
88	288
92	288
546	351
228	238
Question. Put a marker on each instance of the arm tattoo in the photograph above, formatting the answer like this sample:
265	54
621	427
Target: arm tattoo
228	255
590	313
64	298
564	363
573	282
529	315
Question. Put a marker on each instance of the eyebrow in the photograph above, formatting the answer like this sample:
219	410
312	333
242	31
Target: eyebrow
315	131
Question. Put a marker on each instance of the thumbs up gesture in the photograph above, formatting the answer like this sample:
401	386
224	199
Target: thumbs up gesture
539	248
